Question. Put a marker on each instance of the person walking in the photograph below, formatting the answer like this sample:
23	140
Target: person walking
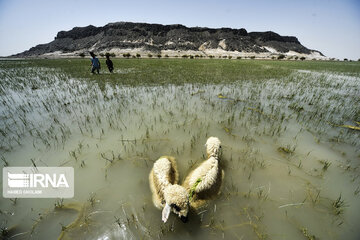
109	63
95	63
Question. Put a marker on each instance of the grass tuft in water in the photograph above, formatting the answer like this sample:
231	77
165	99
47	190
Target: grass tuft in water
339	206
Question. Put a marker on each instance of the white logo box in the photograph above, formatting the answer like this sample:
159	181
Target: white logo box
40	182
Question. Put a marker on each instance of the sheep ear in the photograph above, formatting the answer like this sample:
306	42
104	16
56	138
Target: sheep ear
166	213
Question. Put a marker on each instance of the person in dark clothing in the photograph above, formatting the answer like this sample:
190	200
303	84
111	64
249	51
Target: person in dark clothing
109	63
95	63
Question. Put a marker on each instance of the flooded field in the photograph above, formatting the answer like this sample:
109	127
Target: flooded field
291	150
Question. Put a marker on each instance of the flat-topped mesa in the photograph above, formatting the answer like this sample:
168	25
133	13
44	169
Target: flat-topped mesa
176	39
79	32
271	36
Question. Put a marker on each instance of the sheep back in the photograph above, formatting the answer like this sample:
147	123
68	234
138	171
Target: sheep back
211	176
163	173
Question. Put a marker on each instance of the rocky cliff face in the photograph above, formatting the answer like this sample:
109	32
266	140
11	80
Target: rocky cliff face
157	38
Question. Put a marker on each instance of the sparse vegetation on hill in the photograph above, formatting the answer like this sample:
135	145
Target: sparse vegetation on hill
126	55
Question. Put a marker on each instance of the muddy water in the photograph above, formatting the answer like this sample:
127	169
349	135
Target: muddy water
285	156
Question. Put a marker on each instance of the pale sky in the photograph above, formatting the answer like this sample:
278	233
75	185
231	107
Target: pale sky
330	26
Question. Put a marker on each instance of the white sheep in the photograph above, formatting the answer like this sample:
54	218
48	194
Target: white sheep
204	182
213	147
166	193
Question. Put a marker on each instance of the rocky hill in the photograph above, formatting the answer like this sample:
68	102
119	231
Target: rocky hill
171	40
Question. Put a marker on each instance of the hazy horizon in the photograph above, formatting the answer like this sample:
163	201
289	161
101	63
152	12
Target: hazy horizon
331	27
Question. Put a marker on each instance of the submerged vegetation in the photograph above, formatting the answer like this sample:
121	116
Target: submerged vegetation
291	162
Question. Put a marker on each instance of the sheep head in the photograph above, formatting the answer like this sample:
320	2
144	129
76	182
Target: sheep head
213	147
177	201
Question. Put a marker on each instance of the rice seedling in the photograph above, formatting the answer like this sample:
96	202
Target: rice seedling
4	161
82	165
117	125
13	201
118	221
59	203
92	199
288	149
357	191
300	164
306	234
338	206
326	164
313	194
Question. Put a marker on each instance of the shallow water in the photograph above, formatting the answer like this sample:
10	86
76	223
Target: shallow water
278	135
